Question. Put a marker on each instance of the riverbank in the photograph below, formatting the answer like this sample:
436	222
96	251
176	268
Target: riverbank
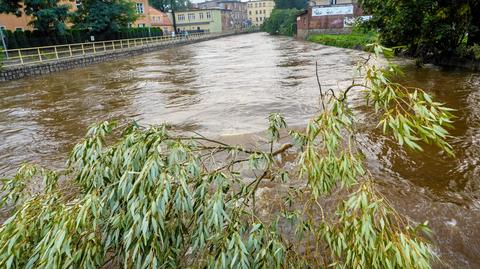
360	41
357	41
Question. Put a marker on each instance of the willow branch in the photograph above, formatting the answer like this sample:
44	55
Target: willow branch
345	93
322	97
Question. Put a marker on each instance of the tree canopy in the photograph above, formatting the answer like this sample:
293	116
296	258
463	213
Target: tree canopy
166	5
48	15
281	21
427	27
104	16
287	4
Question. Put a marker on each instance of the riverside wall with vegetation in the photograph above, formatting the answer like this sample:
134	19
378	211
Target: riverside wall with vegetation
446	34
23	71
360	41
355	40
25	39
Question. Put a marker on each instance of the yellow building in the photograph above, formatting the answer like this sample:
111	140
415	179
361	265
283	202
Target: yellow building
259	11
148	17
212	20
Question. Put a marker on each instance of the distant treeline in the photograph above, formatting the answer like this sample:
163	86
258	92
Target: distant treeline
25	39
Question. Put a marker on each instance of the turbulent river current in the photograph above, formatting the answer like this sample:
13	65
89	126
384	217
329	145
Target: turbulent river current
228	87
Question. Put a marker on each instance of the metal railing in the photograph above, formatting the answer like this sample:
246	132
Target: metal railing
17	57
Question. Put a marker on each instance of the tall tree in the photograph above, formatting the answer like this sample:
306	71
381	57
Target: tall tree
285	4
104	16
166	5
48	15
427	27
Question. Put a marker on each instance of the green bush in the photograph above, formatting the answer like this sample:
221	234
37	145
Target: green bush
11	40
468	52
354	40
25	39
475	51
36	39
427	28
21	38
76	36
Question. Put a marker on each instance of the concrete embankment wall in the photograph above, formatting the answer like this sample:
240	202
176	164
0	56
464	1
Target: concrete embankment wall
23	71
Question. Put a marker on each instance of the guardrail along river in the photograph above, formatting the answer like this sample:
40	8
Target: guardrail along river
228	87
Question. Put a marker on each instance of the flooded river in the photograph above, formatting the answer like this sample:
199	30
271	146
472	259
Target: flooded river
228	87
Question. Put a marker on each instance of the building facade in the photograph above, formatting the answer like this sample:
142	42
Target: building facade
259	11
328	17
149	17
239	17
152	17
214	20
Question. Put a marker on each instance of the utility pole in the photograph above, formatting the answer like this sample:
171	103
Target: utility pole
2	36
172	7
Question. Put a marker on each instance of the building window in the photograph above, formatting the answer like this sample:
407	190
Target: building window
250	12
141	25
209	15
191	16
201	16
256	19
181	17
261	18
140	8
264	4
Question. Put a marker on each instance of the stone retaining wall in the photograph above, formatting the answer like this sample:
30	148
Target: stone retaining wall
18	72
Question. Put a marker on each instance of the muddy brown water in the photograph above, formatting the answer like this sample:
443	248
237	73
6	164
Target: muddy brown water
228	87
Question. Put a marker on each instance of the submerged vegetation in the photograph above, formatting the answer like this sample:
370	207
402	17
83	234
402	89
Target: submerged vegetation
151	198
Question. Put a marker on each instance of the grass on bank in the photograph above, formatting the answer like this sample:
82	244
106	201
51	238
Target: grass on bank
355	40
